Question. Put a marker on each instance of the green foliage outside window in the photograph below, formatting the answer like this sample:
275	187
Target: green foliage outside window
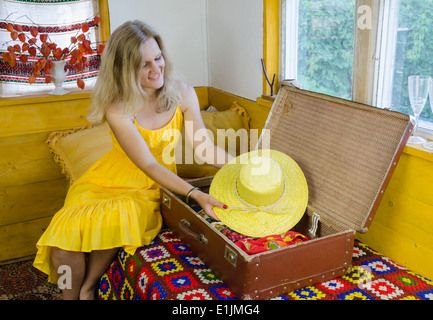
325	48
414	51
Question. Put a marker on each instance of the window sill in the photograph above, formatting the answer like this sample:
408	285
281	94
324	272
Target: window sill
417	150
30	99
265	100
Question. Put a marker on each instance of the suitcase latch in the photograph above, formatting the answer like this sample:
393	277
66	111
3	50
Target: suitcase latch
166	200
231	256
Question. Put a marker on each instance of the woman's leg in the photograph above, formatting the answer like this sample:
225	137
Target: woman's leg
76	263
97	263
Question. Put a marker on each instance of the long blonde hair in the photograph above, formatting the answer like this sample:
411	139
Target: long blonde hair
120	72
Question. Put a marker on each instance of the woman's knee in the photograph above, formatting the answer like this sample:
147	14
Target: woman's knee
61	256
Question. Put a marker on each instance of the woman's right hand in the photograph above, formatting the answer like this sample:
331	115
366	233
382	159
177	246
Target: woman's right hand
207	202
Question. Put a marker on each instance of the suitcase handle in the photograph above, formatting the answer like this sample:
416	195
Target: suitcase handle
185	226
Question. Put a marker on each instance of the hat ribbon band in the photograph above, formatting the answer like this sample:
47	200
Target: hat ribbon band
252	208
259	208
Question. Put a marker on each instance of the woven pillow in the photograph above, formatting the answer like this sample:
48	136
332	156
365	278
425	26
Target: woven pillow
236	118
76	150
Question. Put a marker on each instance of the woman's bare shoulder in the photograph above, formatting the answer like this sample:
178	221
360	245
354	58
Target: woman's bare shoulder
188	96
118	111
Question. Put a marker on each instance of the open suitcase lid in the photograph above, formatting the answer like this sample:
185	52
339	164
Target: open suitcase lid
346	150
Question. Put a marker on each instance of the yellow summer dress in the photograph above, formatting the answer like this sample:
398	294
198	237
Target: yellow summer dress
113	204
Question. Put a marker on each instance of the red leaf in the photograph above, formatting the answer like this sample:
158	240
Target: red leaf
80	84
18	28
73	39
32	79
23	58
81	48
45	50
12	62
6	56
101	48
43	37
42	62
32	40
22	37
32	51
37	66
34	31
48	79
81	37
14	35
96	20
85	27
17	48
75	53
9	27
25	47
57	53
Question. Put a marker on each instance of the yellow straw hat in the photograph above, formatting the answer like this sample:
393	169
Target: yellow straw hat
265	190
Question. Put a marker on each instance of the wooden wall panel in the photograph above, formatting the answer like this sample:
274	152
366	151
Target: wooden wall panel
19	239
32	186
402	228
31	201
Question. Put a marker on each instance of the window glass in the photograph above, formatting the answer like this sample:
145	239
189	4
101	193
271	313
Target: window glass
413	53
325	46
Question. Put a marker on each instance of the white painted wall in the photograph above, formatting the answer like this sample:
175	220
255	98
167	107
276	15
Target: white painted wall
235	40
182	25
215	43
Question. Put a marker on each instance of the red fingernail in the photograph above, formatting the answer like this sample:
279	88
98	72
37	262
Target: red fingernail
225	206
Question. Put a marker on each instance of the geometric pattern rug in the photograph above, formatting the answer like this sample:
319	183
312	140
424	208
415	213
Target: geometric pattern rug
168	270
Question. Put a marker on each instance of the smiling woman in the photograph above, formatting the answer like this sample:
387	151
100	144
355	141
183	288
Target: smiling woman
152	76
120	191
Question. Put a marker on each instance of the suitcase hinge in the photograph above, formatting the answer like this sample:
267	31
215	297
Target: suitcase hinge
231	256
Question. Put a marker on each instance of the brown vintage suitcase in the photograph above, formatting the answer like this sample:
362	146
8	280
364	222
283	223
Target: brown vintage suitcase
347	152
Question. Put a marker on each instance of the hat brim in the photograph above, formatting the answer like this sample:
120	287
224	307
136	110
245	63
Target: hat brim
259	223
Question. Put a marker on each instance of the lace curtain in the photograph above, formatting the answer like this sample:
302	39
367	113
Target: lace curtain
61	19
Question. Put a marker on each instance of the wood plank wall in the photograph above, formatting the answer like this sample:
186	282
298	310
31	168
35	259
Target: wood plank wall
32	187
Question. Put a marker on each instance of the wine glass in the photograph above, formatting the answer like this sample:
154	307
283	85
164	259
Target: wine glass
429	145
418	91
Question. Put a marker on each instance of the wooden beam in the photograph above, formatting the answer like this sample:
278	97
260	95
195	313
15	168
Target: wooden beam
271	41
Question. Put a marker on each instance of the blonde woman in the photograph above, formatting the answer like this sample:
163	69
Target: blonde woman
115	204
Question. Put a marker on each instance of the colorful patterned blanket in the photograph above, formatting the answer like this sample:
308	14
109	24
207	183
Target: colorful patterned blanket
167	269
